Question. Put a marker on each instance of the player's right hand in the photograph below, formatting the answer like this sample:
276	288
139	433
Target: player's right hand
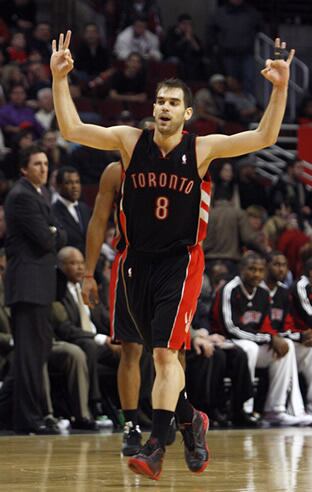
61	62
89	290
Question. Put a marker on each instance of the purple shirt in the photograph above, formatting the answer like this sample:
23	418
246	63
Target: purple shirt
16	115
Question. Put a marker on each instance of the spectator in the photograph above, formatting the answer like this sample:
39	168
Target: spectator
57	155
252	191
77	324
225	186
129	83
210	361
92	58
17	48
232	32
182	46
16	115
38	77
228	231
71	213
10	165
210	103
244	102
241	313
41	41
290	190
6	338
30	286
45	114
12	75
256	216
282	320
290	242
137	38
148	8
19	14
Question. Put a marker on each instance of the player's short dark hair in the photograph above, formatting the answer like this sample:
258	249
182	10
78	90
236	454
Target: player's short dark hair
249	257
62	171
177	84
25	154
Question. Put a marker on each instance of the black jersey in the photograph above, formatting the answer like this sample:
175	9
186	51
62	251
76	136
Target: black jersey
302	303
165	203
238	314
281	318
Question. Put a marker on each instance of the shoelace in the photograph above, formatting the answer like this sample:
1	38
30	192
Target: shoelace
188	436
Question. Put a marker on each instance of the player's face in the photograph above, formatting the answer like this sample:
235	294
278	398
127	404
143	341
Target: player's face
170	112
278	268
253	273
74	267
36	170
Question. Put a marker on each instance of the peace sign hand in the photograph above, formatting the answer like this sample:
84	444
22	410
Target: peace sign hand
277	70
61	60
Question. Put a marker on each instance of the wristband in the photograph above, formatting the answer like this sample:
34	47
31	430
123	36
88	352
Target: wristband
88	276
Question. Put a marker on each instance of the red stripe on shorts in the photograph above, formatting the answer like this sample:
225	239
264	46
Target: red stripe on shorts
113	291
180	333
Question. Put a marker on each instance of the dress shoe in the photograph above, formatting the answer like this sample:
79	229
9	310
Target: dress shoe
85	424
244	419
44	430
218	419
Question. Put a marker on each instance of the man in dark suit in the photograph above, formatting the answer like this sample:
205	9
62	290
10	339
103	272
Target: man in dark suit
74	322
71	213
30	285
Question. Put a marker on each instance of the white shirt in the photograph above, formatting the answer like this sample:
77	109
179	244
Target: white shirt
72	289
70	207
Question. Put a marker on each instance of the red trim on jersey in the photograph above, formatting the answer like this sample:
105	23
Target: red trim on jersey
266	326
122	216
180	333
204	206
113	291
117	236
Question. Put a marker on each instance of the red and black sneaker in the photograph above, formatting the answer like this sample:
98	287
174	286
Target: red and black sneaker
149	460
196	452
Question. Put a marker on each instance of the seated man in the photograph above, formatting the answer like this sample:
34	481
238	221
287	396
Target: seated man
213	358
301	308
75	323
283	321
241	313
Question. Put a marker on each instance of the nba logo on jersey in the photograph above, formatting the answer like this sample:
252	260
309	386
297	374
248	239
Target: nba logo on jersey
183	159
130	272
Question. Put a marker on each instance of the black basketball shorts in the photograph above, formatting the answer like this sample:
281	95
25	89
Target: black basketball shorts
162	293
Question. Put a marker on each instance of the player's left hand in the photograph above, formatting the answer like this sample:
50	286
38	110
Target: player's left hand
61	59
277	70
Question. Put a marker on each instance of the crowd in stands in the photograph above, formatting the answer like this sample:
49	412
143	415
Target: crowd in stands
237	323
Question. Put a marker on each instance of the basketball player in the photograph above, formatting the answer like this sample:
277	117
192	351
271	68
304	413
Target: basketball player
122	328
164	215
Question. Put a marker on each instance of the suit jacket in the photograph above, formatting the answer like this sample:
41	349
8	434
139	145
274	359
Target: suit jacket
75	236
67	323
30	246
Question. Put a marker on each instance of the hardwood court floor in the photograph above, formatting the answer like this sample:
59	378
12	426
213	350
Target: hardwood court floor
266	460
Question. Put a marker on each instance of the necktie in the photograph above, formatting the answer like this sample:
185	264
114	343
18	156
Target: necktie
84	317
79	217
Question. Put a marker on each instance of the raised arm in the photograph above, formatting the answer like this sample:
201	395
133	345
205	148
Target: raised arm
109	186
217	146
121	138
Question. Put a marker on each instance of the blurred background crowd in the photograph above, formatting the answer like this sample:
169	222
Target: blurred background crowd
260	202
